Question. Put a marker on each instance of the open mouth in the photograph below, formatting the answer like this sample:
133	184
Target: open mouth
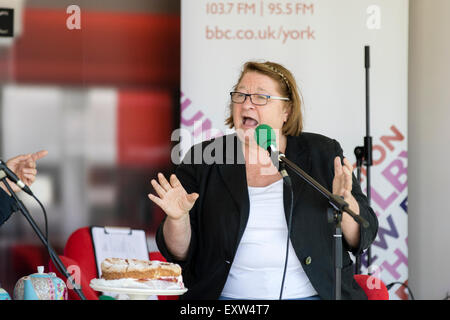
249	122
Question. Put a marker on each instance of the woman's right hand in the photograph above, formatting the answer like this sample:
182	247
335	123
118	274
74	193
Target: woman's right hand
173	199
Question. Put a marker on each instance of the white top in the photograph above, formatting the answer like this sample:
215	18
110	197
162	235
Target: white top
257	269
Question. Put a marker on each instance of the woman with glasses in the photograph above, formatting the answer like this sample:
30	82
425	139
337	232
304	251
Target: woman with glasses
226	220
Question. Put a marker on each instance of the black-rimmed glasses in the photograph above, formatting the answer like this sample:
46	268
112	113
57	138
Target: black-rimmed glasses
258	99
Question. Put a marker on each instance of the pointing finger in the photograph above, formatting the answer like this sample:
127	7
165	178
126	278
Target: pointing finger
39	155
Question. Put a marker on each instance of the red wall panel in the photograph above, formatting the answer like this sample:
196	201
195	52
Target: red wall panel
112	48
144	128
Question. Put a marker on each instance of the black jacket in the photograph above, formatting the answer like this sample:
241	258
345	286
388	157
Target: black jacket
220	214
7	206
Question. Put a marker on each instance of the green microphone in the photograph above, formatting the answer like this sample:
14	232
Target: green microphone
265	138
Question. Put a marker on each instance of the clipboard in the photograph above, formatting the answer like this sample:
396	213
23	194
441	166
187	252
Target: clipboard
117	242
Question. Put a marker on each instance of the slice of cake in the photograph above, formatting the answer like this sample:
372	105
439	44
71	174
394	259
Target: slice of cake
144	274
116	268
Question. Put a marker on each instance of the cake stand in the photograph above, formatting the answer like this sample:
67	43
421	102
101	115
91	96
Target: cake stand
139	293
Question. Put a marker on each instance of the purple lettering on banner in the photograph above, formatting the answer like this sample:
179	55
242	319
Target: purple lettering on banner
364	261
392	232
205	127
401	171
404	205
191	121
186	103
392	268
387	139
383	203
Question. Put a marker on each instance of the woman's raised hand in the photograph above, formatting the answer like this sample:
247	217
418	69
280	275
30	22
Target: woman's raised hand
172	198
342	182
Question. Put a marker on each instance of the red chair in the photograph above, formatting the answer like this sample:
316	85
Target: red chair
79	253
374	288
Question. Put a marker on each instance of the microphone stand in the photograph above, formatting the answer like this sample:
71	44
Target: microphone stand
364	153
337	207
359	153
55	258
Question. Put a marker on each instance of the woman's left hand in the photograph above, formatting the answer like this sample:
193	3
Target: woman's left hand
342	186
342	182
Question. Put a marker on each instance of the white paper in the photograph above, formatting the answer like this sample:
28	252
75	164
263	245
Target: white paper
118	243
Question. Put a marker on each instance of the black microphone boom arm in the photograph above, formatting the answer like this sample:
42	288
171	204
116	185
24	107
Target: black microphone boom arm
335	201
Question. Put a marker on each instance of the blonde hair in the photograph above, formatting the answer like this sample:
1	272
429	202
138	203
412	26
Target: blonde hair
288	88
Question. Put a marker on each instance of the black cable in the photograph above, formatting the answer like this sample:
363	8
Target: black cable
45	218
46	229
46	236
390	285
288	182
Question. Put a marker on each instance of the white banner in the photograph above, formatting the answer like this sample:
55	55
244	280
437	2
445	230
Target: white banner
322	43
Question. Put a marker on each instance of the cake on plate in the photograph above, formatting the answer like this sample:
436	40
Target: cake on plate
116	268
134	273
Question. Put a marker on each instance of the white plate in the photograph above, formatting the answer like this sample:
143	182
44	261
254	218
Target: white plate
135	293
